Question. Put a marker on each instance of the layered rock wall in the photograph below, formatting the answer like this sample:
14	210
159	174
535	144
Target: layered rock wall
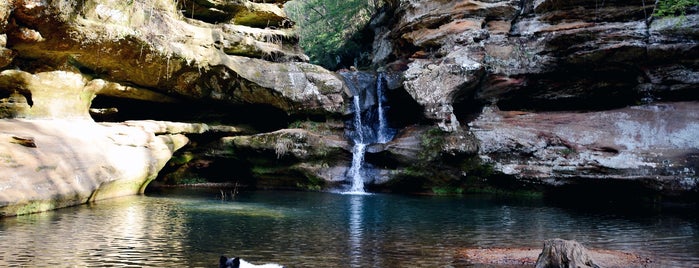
151	46
58	58
510	93
540	55
555	93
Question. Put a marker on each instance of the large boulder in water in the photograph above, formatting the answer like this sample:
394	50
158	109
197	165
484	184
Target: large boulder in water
305	157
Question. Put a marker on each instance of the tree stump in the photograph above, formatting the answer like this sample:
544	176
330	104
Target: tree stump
559	253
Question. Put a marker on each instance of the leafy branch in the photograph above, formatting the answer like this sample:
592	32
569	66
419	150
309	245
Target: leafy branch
667	8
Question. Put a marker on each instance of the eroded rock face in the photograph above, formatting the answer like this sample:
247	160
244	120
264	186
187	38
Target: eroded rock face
574	92
56	57
655	145
150	46
540	55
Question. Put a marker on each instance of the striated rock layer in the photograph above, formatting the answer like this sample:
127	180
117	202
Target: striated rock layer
64	62
514	94
653	144
149	46
552	93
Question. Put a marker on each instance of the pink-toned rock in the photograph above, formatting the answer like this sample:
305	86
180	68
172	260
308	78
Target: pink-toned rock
654	143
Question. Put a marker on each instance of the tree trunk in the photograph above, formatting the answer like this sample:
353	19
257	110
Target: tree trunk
559	253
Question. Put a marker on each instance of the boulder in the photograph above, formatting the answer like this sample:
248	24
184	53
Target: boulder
287	158
436	86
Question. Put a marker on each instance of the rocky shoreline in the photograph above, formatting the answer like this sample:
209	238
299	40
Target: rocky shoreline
527	257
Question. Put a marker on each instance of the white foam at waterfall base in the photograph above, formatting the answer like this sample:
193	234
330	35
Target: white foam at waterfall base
356	169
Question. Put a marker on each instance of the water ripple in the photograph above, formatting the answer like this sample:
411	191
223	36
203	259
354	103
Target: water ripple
321	230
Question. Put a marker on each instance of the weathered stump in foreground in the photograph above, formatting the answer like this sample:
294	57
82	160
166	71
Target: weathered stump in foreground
559	253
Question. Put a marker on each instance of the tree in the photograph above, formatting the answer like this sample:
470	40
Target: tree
331	31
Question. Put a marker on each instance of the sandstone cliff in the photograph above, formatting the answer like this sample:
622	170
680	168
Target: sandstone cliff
67	62
535	95
555	93
527	94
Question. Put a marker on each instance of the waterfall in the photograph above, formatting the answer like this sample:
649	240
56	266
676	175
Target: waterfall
370	126
356	169
358	150
359	136
382	131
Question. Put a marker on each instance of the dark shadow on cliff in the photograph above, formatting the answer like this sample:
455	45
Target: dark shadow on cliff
260	117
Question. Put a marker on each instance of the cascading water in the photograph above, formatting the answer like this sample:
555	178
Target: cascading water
382	131
358	151
366	128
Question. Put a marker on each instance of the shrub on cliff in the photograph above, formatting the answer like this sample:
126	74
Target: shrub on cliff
665	8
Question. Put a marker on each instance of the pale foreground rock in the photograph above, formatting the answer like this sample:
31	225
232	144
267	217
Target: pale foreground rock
49	164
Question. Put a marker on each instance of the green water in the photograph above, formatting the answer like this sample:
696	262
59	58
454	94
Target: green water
191	228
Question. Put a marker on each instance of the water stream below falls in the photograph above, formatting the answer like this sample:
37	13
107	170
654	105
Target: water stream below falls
192	228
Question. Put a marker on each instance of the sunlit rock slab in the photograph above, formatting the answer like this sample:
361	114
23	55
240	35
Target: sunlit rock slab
48	164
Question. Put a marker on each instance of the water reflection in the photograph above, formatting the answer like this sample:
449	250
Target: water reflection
185	229
355	229
120	232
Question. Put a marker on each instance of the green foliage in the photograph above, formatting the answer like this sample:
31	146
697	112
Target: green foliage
667	8
296	124
329	29
447	190
431	142
192	180
567	152
313	184
182	158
